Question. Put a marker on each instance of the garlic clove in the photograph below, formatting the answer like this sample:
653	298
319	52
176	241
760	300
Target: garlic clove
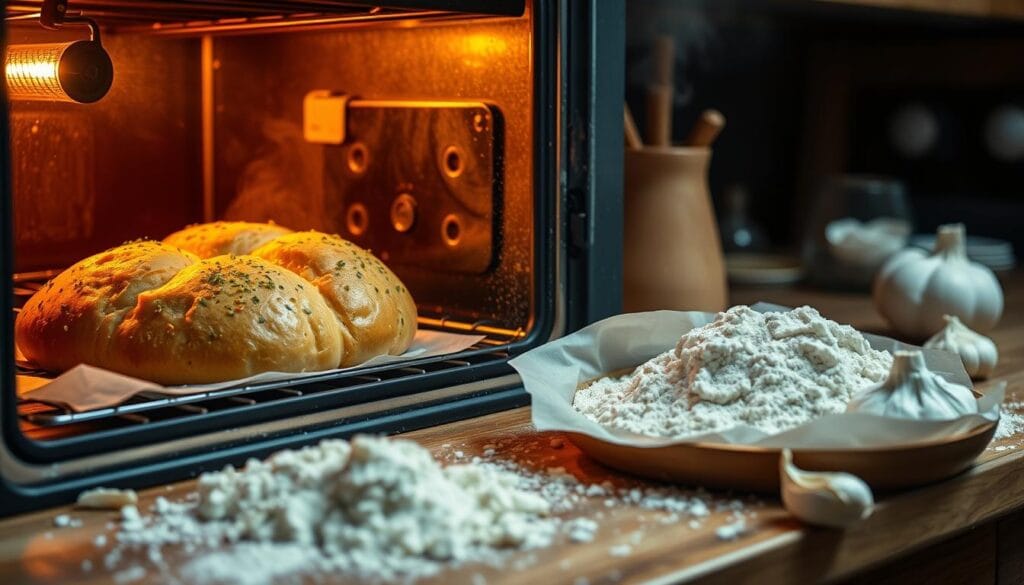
912	391
832	499
978	353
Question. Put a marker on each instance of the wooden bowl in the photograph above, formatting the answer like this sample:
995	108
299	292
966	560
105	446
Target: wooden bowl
754	468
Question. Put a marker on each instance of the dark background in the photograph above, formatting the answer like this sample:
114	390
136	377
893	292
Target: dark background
767	66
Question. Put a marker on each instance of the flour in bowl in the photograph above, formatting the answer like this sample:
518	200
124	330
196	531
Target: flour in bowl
769	371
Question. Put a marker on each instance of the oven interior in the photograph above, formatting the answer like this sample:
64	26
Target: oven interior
209	117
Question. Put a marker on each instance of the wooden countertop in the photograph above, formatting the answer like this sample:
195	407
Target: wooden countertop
774	548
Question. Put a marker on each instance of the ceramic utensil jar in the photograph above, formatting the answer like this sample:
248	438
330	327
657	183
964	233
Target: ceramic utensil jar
672	255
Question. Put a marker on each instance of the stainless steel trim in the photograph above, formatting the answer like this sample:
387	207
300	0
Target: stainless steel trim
558	326
22	472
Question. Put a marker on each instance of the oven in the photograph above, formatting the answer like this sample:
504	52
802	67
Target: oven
475	146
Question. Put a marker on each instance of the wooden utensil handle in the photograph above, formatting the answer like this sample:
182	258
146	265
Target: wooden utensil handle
708	126
659	115
664	61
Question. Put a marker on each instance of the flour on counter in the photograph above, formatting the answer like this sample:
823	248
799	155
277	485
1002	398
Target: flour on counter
769	371
731	531
66	521
1010	421
620	550
373	507
582	529
384	510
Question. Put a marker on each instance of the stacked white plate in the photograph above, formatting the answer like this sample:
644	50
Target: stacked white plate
996	254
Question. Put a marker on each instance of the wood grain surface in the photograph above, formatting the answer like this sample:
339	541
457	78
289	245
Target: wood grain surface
774	549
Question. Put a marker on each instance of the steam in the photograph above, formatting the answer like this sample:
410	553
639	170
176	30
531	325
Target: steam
284	183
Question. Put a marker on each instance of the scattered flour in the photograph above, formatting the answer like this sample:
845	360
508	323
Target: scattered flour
129	575
375	507
620	550
379	509
582	529
66	521
731	531
1010	421
769	371
255	563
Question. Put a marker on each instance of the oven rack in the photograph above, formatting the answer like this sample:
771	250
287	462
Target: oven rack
152	407
49	421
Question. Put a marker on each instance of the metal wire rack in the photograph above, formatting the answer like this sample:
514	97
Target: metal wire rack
42	420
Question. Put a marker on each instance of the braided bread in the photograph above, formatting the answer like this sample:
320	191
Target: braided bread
375	311
301	302
217	238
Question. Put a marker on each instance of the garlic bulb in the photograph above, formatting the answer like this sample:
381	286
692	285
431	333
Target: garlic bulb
978	353
825	499
914	290
913	391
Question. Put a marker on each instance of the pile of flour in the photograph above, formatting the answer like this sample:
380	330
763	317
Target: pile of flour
383	510
769	371
374	507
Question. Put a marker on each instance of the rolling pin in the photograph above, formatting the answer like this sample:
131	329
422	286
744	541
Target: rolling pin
707	128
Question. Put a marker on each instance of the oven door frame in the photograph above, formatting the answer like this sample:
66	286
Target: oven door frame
578	54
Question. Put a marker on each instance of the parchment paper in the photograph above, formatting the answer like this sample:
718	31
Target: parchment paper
89	388
551	374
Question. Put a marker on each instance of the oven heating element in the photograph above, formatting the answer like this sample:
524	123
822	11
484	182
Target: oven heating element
77	71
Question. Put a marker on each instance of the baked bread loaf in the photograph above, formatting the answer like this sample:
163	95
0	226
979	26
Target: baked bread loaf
207	240
225	318
152	311
74	317
303	301
374	309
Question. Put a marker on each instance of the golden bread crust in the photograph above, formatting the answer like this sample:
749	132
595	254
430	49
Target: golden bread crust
218	238
225	318
152	311
72	319
305	301
376	312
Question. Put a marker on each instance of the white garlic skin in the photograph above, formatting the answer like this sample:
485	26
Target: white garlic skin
913	391
913	290
977	352
830	499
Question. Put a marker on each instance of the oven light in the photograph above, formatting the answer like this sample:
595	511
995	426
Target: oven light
78	71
